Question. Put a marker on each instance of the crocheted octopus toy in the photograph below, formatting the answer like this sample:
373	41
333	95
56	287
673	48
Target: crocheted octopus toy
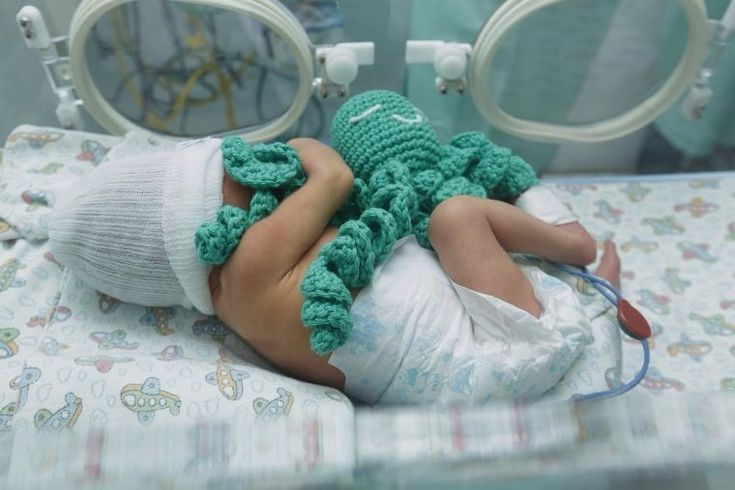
402	172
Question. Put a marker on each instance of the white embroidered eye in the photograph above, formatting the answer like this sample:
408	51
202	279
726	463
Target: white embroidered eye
365	114
415	120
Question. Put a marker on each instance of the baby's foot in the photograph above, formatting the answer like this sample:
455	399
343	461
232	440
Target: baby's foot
609	267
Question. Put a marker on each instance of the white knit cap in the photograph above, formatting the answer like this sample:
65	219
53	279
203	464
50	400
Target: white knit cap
128	231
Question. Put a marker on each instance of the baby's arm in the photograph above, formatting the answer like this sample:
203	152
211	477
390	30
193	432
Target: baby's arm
256	292
539	201
515	230
473	236
274	245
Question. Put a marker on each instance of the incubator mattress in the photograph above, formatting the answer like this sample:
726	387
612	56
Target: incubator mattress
73	358
676	238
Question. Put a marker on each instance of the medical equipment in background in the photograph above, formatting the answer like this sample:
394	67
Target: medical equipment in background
338	66
449	59
459	66
699	95
630	320
65	63
55	64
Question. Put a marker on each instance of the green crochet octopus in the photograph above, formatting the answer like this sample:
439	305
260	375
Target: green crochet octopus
402	172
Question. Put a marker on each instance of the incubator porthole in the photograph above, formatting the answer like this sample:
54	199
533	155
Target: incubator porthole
530	109
581	75
192	68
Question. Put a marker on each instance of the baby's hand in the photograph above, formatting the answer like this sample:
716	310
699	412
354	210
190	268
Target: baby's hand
321	161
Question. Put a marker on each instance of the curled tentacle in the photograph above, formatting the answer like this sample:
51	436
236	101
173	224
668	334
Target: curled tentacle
357	248
471	140
518	177
502	174
330	324
350	257
391	172
215	241
384	231
490	171
262	166
454	162
400	202
262	204
361	237
325	286
237	152
421	230
426	183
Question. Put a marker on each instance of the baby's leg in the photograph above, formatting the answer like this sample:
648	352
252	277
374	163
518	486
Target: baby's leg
473	236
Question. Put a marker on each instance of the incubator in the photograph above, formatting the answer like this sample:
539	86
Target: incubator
104	393
100	30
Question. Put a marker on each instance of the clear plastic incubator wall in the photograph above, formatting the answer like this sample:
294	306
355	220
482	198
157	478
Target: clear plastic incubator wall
624	108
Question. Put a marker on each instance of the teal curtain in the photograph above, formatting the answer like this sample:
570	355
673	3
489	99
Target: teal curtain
528	63
577	61
716	128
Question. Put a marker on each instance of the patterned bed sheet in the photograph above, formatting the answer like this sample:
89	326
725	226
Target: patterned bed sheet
676	239
71	357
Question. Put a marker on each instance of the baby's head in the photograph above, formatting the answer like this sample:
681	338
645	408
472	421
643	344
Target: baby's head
128	231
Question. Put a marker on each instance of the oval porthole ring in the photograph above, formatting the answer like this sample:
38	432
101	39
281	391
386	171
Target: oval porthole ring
282	22
514	11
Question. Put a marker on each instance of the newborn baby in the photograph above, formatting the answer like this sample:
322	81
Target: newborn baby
462	322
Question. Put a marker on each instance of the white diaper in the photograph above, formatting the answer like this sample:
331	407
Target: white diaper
418	337
541	202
